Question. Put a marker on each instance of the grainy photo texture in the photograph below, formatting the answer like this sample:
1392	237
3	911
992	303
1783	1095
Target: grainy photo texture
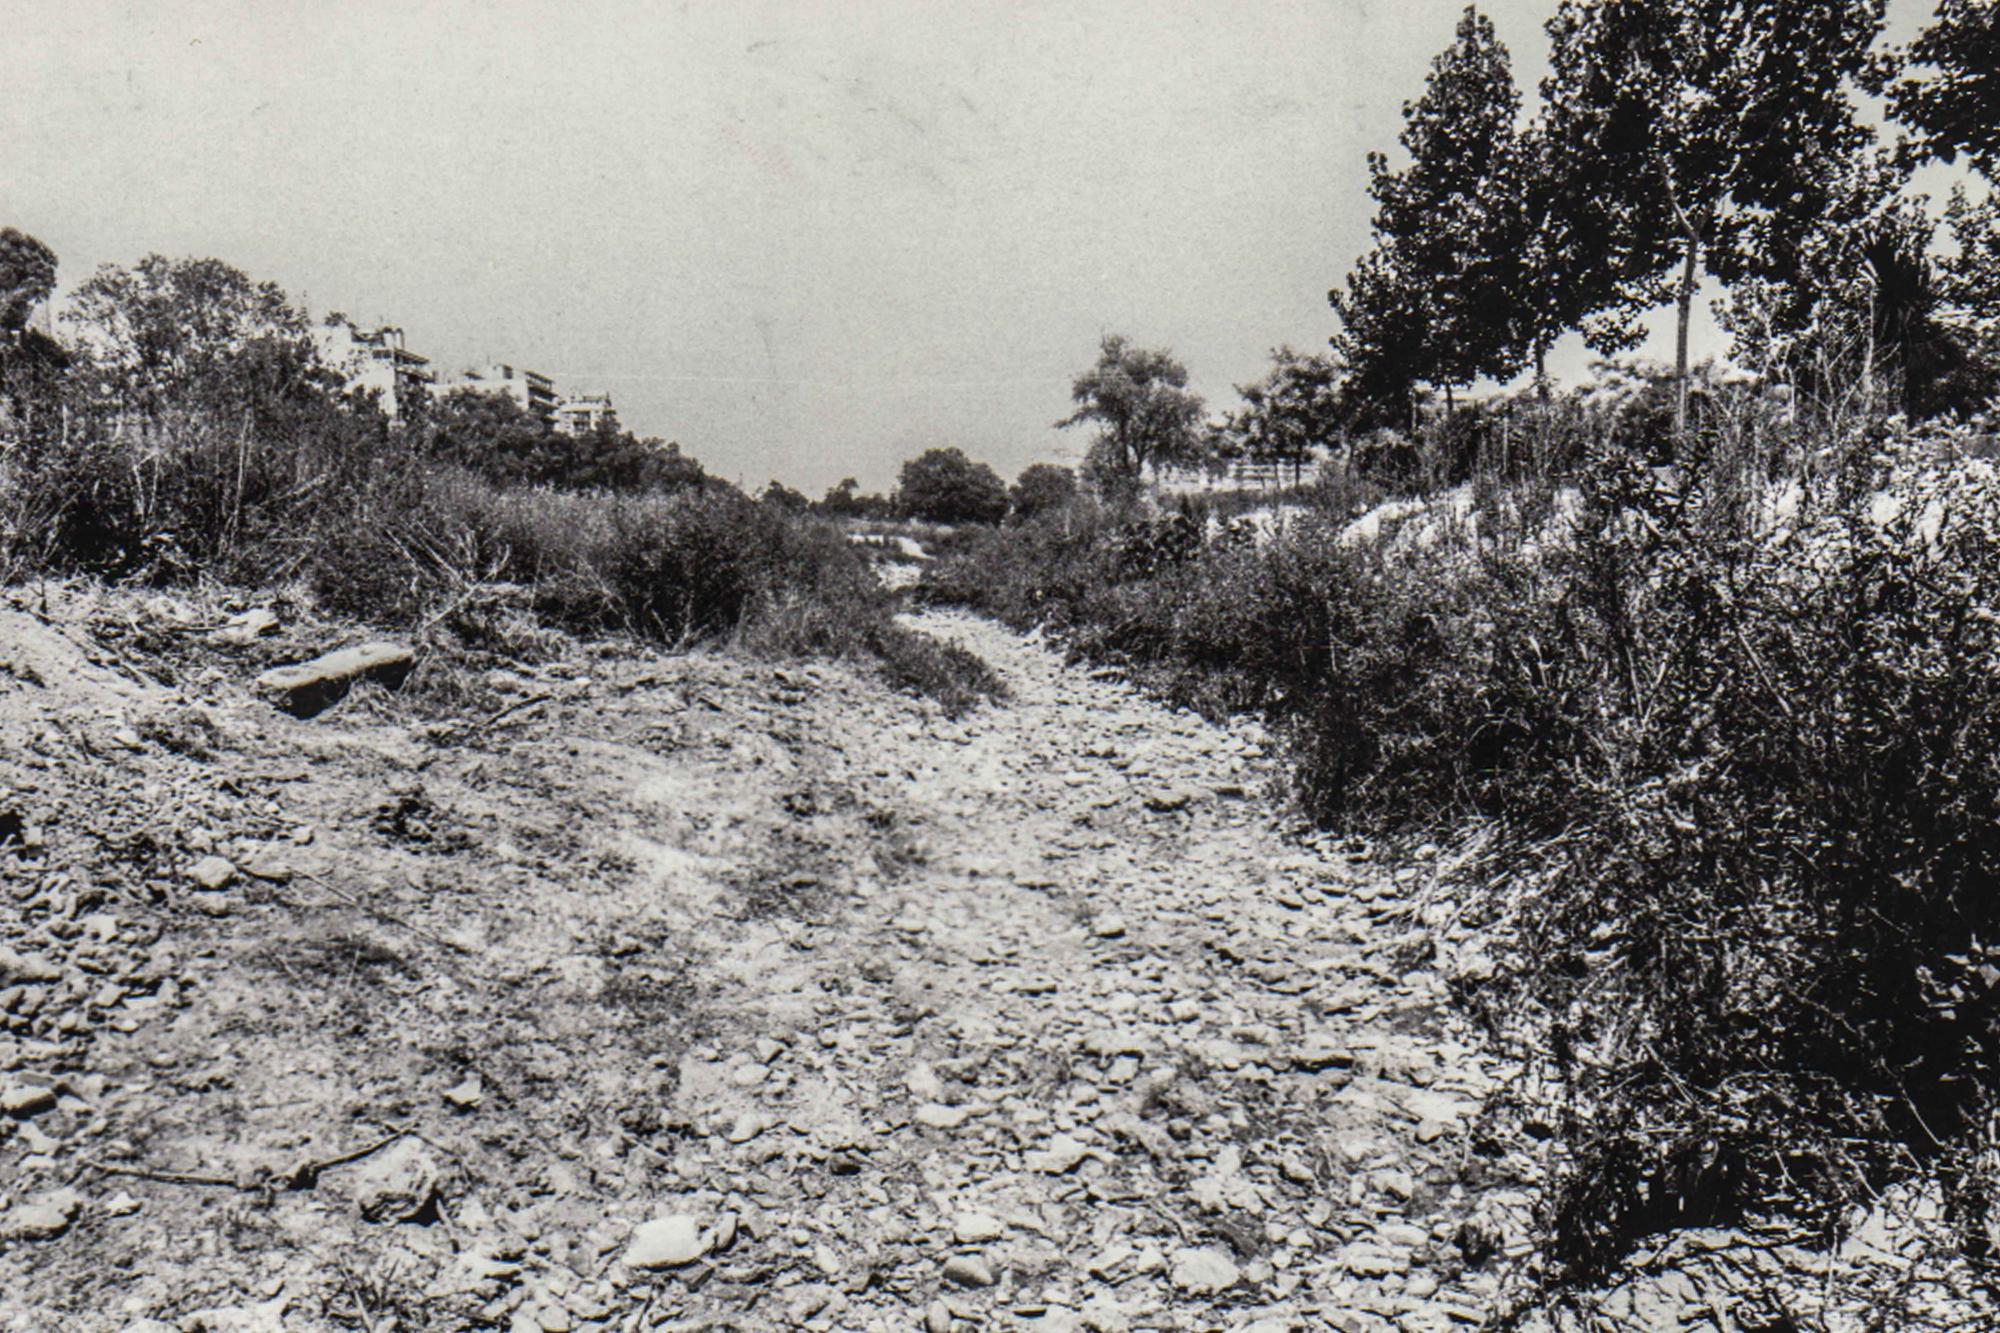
1069	666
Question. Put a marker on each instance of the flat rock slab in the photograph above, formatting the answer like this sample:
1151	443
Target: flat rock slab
306	688
673	1241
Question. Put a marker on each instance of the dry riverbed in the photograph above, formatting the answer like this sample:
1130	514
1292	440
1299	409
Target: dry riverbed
692	993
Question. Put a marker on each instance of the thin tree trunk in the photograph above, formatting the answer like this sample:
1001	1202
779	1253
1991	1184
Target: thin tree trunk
1542	372
1688	269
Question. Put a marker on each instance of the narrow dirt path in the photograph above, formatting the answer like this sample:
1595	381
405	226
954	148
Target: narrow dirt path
1142	1060
705	994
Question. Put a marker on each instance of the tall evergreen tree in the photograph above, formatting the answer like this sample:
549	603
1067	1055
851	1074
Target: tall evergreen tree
1431	302
1695	116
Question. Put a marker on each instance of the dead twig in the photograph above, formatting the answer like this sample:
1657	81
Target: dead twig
301	1176
360	904
307	1172
163	1177
519	705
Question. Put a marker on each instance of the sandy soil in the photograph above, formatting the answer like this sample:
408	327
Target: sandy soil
693	993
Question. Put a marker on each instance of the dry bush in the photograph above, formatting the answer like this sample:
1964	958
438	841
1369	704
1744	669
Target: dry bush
1733	706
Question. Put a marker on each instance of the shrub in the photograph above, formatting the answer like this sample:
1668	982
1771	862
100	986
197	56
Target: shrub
1768	913
1740	742
1040	488
944	486
256	472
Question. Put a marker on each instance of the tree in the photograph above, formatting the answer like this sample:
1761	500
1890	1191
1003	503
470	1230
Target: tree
609	459
782	497
1693	116
1969	280
1145	414
1293	410
1441	217
1041	488
174	332
842	501
1956	107
1382	340
491	434
27	277
1558	240
846	501
30	364
944	486
1972	270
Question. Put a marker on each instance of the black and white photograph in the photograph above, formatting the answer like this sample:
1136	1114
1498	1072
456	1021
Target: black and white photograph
999	666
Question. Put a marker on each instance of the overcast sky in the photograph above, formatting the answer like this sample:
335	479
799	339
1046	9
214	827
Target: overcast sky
805	238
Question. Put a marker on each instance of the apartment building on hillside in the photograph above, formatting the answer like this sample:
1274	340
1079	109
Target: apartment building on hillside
378	359
581	414
531	390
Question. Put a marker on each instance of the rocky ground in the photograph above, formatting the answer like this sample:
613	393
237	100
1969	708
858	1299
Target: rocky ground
680	992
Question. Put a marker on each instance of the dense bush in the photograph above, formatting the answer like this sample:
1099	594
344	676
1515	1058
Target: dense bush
1040	488
194	437
494	436
1742	739
944	486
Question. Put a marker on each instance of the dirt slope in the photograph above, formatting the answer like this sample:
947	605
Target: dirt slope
697	994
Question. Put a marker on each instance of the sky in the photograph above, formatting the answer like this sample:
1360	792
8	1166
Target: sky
806	239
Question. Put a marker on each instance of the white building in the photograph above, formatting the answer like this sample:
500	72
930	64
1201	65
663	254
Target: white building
376	359
531	391
582	414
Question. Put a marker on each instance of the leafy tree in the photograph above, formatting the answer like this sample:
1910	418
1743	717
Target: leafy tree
1556	236
944	486
846	501
842	501
1801	312
1956	106
27	277
1293	410
1040	488
30	364
173	333
782	497
1145	414
1440	217
495	436
491	434
1383	339
1973	268
614	460
1693	116
1969	276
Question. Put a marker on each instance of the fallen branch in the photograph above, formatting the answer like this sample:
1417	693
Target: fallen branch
519	705
307	1173
303	1176
163	1177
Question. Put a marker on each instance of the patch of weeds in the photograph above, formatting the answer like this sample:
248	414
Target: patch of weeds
649	993
336	957
186	731
954	676
410	817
